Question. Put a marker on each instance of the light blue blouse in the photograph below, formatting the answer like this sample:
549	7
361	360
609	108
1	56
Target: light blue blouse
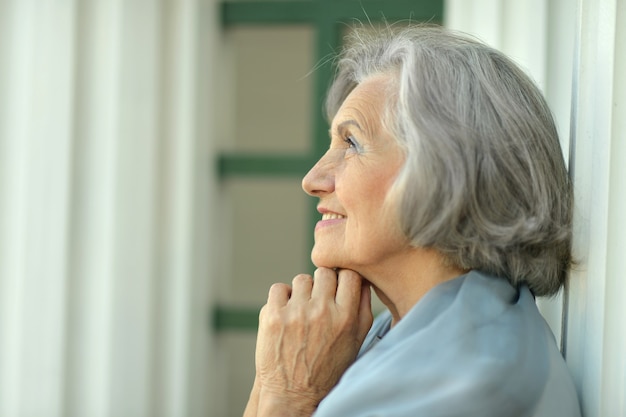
472	346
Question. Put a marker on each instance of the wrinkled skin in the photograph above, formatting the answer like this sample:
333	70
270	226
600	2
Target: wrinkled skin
309	333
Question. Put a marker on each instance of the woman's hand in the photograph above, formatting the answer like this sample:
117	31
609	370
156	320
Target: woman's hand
309	334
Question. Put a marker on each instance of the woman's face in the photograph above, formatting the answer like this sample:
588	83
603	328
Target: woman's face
352	180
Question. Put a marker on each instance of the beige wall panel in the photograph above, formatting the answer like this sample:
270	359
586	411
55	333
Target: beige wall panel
272	90
269	228
237	355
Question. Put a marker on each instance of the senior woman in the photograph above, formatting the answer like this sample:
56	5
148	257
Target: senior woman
444	190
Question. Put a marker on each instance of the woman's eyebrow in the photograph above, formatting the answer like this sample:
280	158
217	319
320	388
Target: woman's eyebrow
349	122
342	126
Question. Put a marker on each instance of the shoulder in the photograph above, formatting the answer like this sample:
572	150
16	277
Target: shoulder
475	344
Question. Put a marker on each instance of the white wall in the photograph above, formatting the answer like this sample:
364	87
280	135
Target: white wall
596	328
576	52
105	173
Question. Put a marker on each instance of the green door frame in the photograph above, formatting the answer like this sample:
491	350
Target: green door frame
327	18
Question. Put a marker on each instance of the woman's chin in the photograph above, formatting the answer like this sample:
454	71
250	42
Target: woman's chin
324	259
321	262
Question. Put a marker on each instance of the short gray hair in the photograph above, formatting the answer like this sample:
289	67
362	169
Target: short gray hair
484	181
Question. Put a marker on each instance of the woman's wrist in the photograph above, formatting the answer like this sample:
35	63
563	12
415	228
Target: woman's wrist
253	402
285	405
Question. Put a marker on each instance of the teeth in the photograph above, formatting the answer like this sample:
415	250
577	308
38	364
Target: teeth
332	216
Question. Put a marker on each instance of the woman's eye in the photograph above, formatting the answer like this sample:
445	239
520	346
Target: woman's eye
350	141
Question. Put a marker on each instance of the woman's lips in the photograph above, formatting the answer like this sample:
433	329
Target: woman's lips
329	219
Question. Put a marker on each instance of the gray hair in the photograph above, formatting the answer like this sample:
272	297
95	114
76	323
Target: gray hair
484	181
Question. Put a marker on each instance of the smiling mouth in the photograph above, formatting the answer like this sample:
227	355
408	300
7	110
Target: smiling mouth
332	216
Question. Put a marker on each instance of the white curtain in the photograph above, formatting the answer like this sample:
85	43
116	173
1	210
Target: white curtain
576	52
105	178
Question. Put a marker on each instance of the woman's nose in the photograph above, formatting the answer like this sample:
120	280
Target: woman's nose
320	179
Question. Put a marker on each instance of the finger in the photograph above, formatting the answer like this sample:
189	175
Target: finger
302	285
348	290
366	318
279	294
325	284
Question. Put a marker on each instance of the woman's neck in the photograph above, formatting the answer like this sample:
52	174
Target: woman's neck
402	281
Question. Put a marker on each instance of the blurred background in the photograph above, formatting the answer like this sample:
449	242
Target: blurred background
151	153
